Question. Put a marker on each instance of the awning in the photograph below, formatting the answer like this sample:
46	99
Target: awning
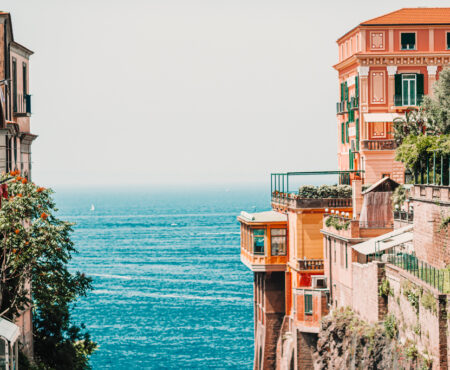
381	117
8	330
385	241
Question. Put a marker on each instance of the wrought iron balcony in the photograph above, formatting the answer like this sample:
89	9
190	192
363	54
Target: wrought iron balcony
399	101
378	145
354	103
341	107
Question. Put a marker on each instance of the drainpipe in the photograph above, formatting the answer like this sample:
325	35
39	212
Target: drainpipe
331	273
6	53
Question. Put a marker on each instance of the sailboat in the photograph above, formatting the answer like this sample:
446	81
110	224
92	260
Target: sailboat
92	207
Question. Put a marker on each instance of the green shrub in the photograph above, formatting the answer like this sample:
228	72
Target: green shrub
429	302
390	326
325	191
337	223
384	290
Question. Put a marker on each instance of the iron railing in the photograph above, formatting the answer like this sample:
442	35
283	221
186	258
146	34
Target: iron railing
435	170
375	225
400	102
341	107
437	278
354	103
403	216
280	182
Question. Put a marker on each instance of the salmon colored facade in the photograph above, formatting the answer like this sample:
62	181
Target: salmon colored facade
385	66
15	135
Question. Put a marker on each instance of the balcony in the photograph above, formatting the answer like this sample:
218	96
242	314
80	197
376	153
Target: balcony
378	145
400	101
354	103
341	107
264	241
310	265
22	107
403	216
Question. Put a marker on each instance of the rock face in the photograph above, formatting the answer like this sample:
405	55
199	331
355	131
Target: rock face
346	342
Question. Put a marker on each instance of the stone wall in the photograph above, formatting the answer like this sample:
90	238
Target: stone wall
367	303
431	242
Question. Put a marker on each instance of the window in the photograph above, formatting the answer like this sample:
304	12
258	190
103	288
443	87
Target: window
343	132
448	40
278	242
408	41
258	241
24	80
308	304
409	89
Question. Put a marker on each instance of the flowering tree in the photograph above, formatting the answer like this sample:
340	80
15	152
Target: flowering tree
35	250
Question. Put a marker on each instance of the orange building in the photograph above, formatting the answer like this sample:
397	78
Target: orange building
302	265
386	65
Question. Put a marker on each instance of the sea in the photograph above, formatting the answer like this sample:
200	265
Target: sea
169	291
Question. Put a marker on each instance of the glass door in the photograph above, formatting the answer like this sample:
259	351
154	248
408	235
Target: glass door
409	89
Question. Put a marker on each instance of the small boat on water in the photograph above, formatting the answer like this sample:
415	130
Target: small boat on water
92	207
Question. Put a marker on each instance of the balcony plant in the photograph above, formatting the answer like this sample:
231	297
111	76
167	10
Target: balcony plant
325	191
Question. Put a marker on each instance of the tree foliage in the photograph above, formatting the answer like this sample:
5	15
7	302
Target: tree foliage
35	249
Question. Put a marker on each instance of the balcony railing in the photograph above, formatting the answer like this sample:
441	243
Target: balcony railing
294	201
435	170
400	102
437	278
310	265
378	145
288	182
341	107
23	104
403	216
354	103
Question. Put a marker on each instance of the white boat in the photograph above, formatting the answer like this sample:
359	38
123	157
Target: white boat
92	207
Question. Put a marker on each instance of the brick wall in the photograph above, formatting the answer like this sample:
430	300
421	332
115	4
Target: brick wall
306	344
431	204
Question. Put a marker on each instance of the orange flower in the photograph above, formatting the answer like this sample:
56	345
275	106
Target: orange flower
17	231
27	242
14	251
12	173
24	181
19	195
40	190
44	215
18	178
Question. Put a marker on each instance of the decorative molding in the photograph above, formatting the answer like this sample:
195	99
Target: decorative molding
377	40
432	70
363	71
392	70
350	81
405	60
377	87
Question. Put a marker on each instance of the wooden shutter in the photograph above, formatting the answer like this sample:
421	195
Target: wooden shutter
342	133
346	131
420	89
357	134
398	84
357	86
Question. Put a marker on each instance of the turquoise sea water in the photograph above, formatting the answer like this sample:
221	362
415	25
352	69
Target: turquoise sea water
170	290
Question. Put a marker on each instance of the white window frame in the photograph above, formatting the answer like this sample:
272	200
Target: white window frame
407	77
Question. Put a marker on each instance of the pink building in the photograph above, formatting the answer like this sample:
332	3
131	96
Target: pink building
386	64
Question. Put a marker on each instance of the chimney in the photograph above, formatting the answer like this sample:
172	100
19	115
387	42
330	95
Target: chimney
357	198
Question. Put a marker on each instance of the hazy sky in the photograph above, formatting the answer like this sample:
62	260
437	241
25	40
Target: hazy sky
184	91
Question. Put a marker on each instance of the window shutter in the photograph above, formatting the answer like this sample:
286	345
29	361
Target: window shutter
346	131
357	134
419	86
398	84
342	133
350	159
357	86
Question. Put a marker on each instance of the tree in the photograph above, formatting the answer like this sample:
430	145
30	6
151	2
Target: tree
35	249
437	107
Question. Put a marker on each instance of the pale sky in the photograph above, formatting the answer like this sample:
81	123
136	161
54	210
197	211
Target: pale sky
184	91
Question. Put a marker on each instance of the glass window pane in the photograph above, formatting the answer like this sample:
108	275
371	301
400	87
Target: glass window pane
278	244
258	241
405	92
258	232
278	232
412	92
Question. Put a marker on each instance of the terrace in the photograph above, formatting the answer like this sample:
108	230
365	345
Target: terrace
285	189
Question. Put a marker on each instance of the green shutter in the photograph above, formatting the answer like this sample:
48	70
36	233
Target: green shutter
350	159
308	304
398	90
357	134
420	89
346	131
342	133
357	86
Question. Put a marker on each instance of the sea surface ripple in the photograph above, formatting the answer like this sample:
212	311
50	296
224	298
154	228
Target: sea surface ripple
169	288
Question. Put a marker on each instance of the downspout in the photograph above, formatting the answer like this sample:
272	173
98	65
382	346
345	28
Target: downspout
330	268
6	53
